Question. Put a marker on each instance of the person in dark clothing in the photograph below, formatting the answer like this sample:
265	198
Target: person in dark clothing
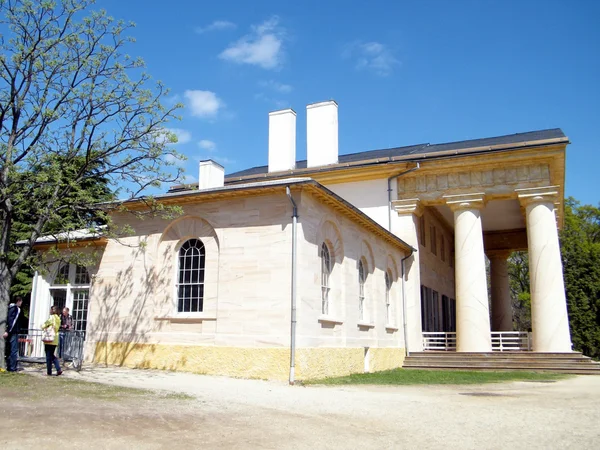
11	335
66	326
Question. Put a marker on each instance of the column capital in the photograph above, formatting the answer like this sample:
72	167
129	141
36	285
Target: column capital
546	194
465	201
408	206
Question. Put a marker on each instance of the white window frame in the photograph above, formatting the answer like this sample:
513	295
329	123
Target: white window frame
200	272
388	303
362	279
326	269
71	288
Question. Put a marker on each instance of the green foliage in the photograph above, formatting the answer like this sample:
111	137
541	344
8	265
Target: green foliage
518	272
580	245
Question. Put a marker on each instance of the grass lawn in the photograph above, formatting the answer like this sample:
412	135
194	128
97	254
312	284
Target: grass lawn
35	387
412	376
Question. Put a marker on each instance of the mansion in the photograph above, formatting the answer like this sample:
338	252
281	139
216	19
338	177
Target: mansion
338	264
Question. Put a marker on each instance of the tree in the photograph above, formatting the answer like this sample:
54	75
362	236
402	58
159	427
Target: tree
73	109
95	188
580	248
518	273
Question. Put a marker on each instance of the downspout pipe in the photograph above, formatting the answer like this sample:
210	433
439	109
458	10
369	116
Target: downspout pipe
412	250
404	320
292	377
389	190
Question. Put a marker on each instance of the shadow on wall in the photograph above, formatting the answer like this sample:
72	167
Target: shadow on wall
124	319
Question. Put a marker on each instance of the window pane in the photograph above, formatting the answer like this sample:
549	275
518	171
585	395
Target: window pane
190	290
62	276
81	275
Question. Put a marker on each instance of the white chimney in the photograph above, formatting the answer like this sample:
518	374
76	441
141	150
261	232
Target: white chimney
282	140
212	175
322	134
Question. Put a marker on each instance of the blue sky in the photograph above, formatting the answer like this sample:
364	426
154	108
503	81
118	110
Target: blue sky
402	72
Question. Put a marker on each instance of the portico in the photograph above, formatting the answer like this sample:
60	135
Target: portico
497	207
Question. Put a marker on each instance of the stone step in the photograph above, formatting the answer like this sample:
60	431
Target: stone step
507	364
503	359
569	370
573	362
516	354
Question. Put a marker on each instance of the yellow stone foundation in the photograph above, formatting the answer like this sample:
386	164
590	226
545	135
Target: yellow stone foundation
248	362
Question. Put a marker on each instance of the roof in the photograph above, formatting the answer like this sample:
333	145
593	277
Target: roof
423	151
253	188
84	234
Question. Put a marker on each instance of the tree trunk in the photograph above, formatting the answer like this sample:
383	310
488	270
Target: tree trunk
5	283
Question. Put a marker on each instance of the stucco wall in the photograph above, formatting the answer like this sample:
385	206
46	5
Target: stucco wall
370	196
348	243
247	278
244	328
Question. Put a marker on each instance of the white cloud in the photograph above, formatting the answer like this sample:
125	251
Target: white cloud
278	103
263	47
205	144
372	56
183	136
217	25
203	104
224	160
276	86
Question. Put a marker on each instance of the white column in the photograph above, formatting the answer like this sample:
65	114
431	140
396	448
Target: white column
405	225
472	309
549	319
502	317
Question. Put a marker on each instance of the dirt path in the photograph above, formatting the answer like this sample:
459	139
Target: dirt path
231	413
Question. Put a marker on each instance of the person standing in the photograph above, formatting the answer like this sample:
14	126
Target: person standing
66	326
12	334
50	347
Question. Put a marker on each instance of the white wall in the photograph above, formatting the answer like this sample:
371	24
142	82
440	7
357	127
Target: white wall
370	196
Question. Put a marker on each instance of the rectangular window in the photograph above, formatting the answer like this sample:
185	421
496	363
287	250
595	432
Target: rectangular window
59	298
435	312
446	313
422	239
433	239
80	308
429	301
443	247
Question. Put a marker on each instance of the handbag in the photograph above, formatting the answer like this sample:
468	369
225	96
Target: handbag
48	335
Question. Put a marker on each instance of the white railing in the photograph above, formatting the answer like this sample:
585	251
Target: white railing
502	341
510	341
439	341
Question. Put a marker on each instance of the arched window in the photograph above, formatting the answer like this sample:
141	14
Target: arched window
62	276
325	273
190	281
388	307
362	277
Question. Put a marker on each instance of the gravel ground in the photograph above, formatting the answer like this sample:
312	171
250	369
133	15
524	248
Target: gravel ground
235	413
